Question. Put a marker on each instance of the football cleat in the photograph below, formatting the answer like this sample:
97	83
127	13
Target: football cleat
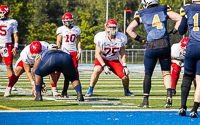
182	112
80	96
63	94
8	92
144	104
193	114
168	102
88	94
173	92
14	89
38	96
128	93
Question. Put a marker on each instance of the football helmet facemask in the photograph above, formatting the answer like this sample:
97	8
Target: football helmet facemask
4	11
68	17
109	24
146	3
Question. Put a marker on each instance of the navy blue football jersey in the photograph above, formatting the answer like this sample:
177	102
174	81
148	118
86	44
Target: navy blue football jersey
192	14
155	21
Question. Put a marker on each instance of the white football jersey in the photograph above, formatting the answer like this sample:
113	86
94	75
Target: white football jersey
110	51
26	55
177	51
69	37
7	27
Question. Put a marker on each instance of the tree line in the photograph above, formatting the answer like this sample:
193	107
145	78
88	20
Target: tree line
39	19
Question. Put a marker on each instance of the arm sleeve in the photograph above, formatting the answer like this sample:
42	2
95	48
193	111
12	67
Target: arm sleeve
182	29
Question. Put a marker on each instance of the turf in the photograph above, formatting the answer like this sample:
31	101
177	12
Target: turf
108	93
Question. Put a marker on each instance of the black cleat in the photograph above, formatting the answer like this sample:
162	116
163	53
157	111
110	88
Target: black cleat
144	104
38	96
80	96
63	94
182	112
173	92
168	103
193	114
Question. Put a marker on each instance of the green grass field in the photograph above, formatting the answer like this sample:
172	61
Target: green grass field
108	93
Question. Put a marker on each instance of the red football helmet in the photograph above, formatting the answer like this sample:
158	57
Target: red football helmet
35	47
184	42
111	23
68	17
4	11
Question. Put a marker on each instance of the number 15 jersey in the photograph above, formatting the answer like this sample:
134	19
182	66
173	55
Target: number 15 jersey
69	37
110	51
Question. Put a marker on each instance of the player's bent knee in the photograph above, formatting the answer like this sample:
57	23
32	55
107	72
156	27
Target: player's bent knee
187	79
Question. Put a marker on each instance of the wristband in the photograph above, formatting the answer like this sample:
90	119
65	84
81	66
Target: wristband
79	50
33	82
16	45
124	65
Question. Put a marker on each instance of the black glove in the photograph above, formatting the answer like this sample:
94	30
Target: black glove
174	31
140	39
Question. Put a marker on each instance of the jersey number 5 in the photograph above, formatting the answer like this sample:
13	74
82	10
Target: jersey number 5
196	27
3	32
70	38
156	22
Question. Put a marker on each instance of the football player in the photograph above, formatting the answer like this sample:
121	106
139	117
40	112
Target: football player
53	60
191	20
25	63
177	58
154	18
68	34
109	44
7	28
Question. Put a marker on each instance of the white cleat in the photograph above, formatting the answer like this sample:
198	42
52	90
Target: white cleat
54	91
14	89
7	92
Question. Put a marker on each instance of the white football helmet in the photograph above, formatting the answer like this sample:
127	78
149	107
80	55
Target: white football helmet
146	3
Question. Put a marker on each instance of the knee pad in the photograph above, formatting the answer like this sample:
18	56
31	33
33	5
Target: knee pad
187	79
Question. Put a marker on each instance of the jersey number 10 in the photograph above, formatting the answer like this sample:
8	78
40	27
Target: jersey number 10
70	38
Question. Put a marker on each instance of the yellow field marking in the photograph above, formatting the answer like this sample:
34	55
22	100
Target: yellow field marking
5	107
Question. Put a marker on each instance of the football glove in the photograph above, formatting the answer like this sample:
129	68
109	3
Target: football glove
179	63
174	31
4	52
106	69
125	71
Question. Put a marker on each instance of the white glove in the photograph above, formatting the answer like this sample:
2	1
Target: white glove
4	52
106	69
126	71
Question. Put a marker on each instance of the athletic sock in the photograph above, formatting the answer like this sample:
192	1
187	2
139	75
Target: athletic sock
195	106
53	85
169	92
78	88
90	89
38	88
146	97
13	80
175	77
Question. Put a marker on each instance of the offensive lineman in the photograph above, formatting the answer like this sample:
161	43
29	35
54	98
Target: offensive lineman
109	44
53	60
68	34
8	27
154	18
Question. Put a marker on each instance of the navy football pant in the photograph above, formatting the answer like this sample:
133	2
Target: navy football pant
60	62
151	57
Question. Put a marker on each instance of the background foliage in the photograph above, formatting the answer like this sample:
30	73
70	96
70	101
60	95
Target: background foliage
39	19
